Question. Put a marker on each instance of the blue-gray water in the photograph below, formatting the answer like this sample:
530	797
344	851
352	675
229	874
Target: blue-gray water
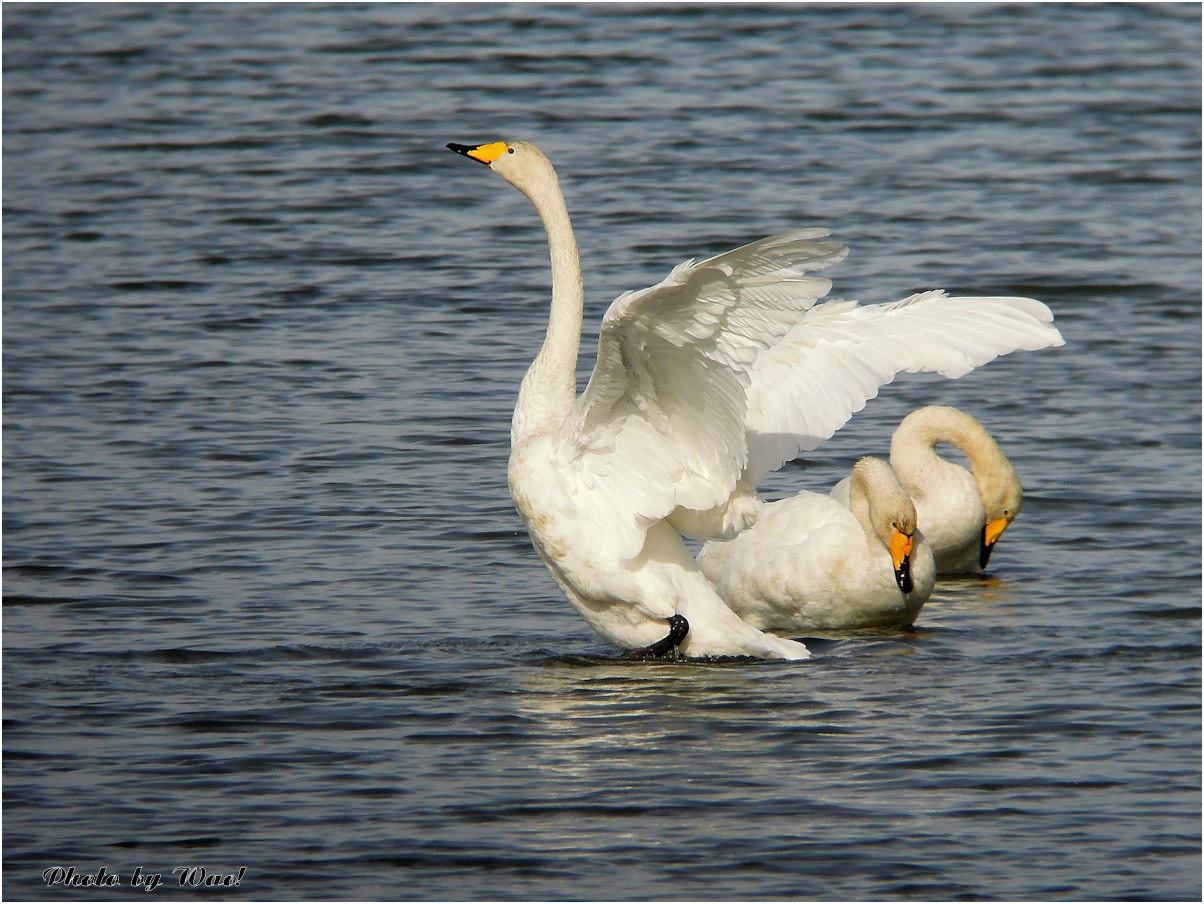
268	604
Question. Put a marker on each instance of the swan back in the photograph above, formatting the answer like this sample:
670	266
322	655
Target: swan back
811	562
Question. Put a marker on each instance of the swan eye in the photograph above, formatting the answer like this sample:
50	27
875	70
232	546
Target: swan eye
509	150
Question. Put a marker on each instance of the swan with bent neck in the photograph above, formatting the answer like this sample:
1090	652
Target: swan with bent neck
687	409
813	563
963	513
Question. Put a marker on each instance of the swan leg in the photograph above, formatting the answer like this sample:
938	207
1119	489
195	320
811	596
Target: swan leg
678	628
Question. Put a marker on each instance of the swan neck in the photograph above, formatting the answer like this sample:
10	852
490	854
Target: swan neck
879	502
913	446
549	390
859	502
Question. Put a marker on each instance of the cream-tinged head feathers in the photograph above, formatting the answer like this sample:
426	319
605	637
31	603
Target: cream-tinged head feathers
520	163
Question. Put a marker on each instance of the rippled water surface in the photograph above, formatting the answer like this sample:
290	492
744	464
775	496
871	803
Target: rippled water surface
268	604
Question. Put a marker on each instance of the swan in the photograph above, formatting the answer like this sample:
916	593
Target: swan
962	513
811	562
659	429
703	384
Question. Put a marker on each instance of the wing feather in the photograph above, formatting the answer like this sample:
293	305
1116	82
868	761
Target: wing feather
661	424
836	358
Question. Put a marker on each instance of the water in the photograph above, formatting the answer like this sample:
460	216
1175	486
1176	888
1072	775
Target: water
267	602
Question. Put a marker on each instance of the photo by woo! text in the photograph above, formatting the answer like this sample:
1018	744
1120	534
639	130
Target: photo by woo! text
186	877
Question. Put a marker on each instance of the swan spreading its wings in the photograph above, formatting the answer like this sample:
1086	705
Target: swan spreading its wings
659	428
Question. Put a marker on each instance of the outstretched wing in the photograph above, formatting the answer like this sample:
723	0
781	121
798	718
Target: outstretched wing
661	424
824	370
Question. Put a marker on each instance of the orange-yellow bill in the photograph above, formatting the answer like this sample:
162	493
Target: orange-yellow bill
482	153
901	547
990	536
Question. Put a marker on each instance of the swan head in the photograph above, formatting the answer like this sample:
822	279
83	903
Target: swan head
891	513
520	163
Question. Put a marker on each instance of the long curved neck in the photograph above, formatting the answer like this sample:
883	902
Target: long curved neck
859	505
913	446
549	389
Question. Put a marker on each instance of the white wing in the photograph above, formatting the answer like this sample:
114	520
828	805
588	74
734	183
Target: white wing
807	386
661	424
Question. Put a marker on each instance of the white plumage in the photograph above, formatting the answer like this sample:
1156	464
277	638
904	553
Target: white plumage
836	358
682	401
814	563
659	428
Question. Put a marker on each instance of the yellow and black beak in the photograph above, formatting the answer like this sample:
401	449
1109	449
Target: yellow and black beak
990	536
482	153
901	547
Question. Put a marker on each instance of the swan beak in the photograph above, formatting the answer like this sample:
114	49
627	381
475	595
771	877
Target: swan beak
901	546
990	536
482	153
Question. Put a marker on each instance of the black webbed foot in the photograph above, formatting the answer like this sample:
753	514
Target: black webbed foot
678	628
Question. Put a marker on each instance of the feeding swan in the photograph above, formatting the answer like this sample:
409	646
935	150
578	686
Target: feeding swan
811	562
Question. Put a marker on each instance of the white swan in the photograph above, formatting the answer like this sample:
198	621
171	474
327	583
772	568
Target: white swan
659	428
686	411
811	562
962	513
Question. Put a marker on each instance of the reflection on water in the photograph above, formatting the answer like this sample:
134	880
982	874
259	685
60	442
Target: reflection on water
973	595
